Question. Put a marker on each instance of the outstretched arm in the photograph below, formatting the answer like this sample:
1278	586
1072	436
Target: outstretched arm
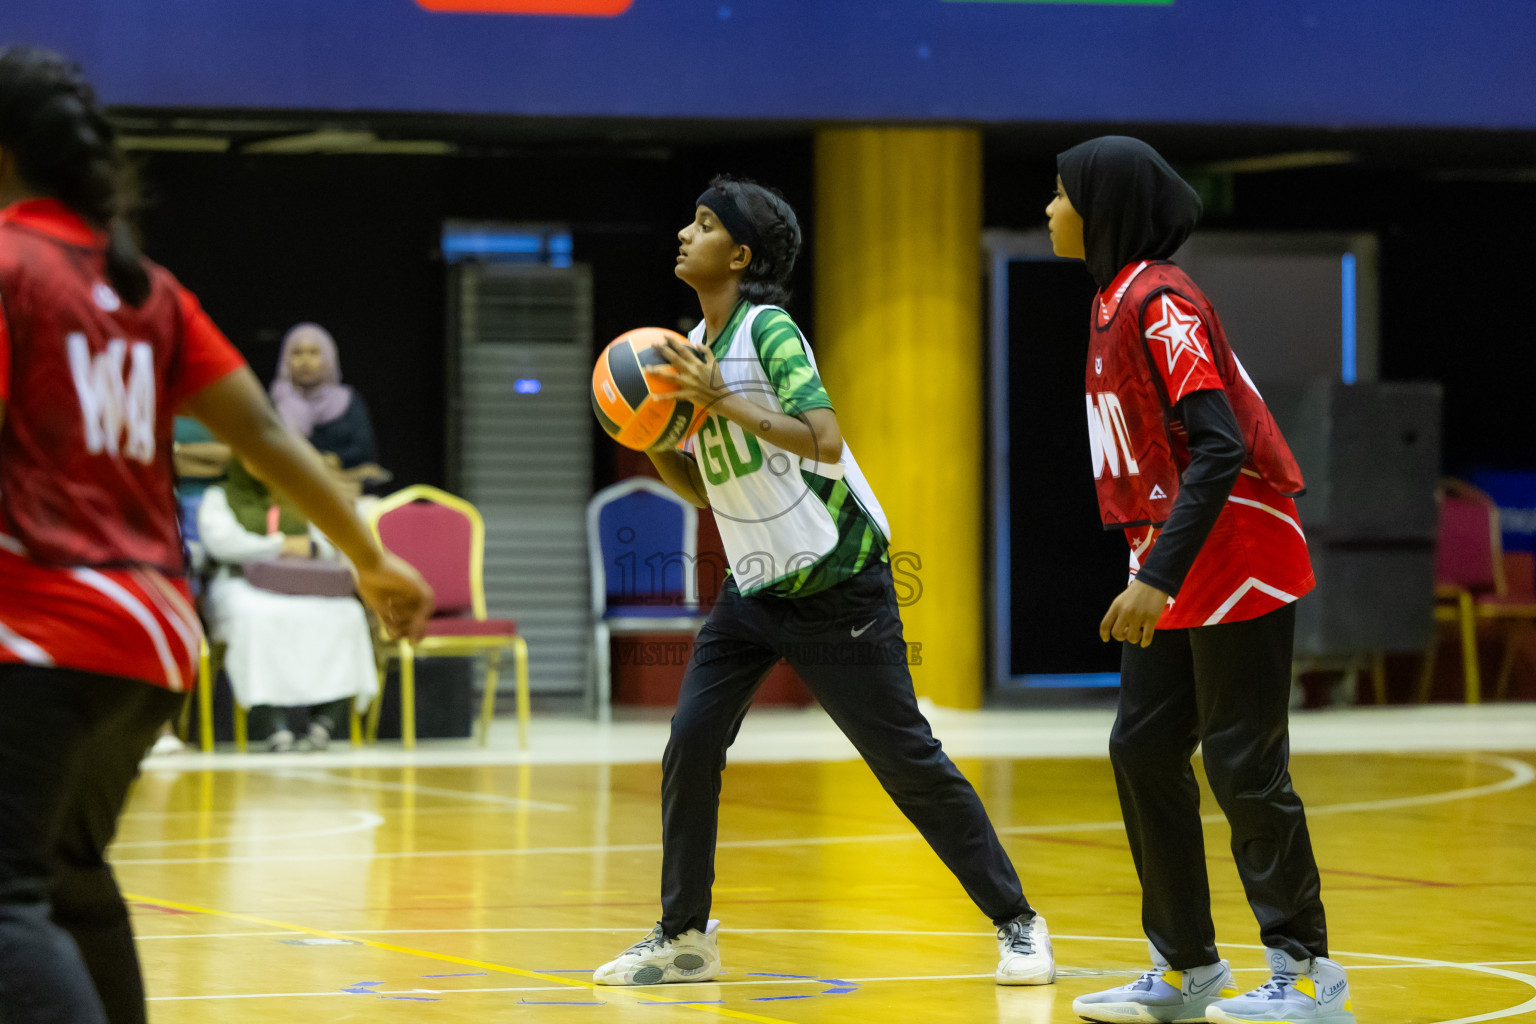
236	409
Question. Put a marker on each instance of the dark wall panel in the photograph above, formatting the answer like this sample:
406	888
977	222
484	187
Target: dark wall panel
1454	222
351	242
1065	567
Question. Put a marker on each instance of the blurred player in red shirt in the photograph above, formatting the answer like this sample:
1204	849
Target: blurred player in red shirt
98	639
1190	464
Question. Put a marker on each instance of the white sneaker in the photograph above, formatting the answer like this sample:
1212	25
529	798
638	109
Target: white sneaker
168	743
280	742
319	736
657	960
1161	995
1024	953
1313	991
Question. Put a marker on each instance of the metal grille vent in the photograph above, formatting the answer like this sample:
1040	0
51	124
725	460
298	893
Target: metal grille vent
520	433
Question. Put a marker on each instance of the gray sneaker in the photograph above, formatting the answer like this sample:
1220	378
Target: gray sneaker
1313	991
1161	995
280	742
319	736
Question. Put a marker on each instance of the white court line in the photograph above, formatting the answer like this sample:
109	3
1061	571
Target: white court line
776	736
573	989
214	935
366	821
289	812
734	931
1520	774
1401	962
252	812
402	787
630	928
1499	972
315	858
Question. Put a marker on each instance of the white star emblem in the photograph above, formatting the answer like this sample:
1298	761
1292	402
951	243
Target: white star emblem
1177	331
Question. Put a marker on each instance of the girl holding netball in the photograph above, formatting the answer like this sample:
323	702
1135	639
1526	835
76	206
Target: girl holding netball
98	348
810	583
1189	463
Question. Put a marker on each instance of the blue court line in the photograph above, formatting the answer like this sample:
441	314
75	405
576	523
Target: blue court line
774	999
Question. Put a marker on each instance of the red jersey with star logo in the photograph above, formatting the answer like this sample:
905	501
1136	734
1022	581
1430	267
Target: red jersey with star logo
1255	559
90	549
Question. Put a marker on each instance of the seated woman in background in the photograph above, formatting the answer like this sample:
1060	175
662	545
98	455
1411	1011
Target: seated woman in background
313	401
301	653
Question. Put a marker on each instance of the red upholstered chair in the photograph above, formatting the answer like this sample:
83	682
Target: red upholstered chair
1471	583
443	536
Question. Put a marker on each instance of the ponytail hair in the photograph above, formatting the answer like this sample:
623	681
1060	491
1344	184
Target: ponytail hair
766	279
64	147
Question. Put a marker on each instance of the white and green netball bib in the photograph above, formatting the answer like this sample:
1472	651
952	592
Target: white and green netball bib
790	525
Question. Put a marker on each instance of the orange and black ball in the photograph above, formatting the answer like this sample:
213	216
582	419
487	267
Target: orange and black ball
637	409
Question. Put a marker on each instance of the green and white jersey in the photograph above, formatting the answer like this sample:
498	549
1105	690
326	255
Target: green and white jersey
791	526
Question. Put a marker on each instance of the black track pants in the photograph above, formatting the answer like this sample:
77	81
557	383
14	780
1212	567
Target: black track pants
1225	687
70	745
846	643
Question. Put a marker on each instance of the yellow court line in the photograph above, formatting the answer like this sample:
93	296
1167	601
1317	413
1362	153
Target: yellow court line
444	957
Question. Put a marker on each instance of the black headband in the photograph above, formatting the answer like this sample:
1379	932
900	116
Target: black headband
720	203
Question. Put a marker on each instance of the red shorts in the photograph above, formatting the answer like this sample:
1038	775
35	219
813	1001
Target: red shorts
135	623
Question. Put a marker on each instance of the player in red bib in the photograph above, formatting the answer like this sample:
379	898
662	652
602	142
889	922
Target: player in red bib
98	348
1189	463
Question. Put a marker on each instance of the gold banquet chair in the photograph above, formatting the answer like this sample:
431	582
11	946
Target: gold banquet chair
443	536
210	658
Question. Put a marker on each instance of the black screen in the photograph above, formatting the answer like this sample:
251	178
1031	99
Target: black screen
1065	567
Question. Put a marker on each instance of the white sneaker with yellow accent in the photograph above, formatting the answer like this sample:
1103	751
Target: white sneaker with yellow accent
1313	991
1160	996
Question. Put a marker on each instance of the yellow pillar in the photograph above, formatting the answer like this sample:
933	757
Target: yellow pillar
898	340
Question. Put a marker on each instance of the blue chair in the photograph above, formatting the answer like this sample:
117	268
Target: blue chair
186	507
642	541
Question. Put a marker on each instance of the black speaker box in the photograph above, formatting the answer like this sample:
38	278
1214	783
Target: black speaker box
1368	598
445	703
1370	455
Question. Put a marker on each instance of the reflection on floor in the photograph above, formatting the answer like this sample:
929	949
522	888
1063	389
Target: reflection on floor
461	884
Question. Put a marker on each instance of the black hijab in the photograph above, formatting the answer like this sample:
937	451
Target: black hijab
1134	206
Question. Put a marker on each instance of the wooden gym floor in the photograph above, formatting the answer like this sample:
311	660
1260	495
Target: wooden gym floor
456	884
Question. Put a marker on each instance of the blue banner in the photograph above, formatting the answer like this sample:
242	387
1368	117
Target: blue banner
1514	491
1322	63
